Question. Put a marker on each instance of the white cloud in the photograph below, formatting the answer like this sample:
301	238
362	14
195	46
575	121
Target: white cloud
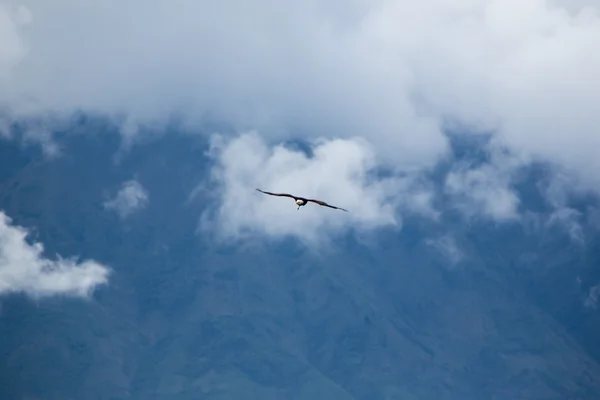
340	172
131	197
23	268
12	46
391	71
355	66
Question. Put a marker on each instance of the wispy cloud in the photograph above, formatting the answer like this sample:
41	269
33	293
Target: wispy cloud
591	299
447	247
486	189
481	191
23	268
559	189
131	197
568	219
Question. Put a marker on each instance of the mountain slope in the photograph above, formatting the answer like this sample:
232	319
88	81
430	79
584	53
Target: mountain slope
183	320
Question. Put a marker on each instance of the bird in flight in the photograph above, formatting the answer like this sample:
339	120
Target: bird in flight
301	201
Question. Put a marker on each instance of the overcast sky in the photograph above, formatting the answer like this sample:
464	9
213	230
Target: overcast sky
372	83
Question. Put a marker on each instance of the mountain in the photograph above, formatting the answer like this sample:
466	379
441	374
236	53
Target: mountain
453	311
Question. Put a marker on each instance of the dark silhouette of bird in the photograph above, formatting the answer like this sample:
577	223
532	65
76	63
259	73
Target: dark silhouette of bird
301	201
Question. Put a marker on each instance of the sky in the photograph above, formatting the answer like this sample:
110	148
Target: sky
369	85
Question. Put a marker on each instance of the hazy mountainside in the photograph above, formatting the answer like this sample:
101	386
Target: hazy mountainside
182	320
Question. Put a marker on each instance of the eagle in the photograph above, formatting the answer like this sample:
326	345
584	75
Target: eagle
301	201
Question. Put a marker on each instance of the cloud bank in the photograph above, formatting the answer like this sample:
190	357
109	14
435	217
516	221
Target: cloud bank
390	70
24	269
396	73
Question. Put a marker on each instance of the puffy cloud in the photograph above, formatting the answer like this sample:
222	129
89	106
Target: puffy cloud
342	172
276	67
23	268
394	72
131	197
391	70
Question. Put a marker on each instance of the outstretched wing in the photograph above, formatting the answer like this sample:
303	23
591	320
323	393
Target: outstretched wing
322	203
277	194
